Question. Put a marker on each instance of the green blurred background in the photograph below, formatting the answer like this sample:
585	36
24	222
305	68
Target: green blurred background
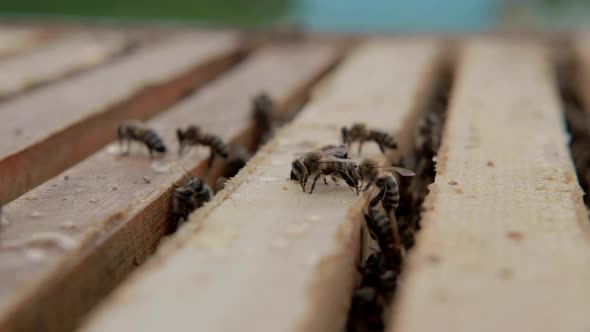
332	15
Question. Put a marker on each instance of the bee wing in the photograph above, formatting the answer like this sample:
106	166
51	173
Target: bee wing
400	170
332	159
340	150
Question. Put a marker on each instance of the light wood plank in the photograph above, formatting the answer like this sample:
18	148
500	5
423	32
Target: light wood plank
505	244
50	129
106	214
15	40
66	55
263	256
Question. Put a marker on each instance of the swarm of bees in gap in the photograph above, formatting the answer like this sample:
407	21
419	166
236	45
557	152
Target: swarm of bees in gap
194	135
188	198
359	132
137	131
329	160
379	274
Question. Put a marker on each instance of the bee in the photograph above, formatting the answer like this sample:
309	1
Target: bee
220	184
359	132
366	311
187	199
193	135
330	161
262	111
376	274
237	158
373	173
385	232
428	134
137	131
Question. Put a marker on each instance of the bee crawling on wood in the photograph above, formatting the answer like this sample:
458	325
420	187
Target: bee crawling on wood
373	173
330	161
359	132
193	135
187	199
137	131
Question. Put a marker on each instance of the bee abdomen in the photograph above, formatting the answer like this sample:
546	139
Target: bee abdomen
391	199
153	141
383	139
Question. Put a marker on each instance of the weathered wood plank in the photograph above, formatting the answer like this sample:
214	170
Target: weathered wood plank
50	129
15	40
65	55
107	216
263	256
505	240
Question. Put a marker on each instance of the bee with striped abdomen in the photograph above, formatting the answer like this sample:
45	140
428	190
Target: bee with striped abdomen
137	131
359	132
330	161
373	173
193	135
385	232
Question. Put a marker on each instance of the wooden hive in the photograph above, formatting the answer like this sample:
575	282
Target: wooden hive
500	242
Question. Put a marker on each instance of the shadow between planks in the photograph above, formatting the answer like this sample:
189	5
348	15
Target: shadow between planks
49	129
100	219
263	256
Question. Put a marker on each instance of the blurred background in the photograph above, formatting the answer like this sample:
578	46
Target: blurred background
319	15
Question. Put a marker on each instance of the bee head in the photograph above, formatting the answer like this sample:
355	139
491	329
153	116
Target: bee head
298	171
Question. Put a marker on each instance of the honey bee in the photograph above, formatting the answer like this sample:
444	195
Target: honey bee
376	274
137	131
373	173
386	233
366	311
330	161
262	111
428	134
237	158
359	132
187	199
193	135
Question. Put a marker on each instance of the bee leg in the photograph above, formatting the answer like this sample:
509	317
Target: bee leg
325	180
369	184
361	141
381	148
334	179
151	153
315	180
377	199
